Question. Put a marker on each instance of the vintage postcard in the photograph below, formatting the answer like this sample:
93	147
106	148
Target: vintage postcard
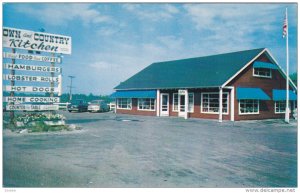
150	95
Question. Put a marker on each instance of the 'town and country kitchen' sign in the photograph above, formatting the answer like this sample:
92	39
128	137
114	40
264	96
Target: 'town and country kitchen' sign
37	41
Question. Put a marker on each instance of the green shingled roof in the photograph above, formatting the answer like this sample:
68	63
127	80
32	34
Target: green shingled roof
207	71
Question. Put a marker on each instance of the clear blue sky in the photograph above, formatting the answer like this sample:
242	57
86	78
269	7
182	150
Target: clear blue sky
111	42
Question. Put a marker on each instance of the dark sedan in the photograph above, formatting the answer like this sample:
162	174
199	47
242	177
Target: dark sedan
78	106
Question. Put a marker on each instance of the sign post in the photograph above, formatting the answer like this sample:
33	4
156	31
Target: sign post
52	76
12	93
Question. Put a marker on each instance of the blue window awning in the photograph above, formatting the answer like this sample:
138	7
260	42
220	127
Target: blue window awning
134	94
267	65
251	93
280	95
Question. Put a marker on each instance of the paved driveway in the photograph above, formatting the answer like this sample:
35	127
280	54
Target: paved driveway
138	151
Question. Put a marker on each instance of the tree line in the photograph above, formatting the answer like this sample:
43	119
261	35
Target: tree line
66	96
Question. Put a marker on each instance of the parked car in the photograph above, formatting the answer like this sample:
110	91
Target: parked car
98	106
78	106
112	106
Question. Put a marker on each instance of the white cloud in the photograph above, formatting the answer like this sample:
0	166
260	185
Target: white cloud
105	31
191	30
100	65
152	12
231	16
112	29
171	8
61	14
231	27
171	42
131	7
126	59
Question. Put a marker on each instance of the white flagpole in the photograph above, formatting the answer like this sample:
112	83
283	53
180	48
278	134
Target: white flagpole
287	110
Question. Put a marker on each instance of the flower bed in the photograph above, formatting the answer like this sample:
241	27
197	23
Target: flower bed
41	117
40	122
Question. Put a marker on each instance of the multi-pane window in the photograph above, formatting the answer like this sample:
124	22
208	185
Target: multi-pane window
191	102
190	106
210	103
175	102
146	104
262	72
124	103
280	106
249	106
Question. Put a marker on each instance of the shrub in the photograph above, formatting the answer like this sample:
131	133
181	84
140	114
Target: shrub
35	122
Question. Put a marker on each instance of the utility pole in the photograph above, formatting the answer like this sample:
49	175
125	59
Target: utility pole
71	77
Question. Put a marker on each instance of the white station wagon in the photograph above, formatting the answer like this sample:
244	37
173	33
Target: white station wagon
98	106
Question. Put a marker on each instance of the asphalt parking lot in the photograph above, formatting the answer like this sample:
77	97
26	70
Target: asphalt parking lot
139	151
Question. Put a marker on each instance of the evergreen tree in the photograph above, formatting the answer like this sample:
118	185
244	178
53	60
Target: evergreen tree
293	77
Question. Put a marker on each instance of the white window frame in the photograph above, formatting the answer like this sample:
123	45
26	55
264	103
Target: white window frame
173	101
253	113
281	112
138	104
227	98
192	108
257	75
128	99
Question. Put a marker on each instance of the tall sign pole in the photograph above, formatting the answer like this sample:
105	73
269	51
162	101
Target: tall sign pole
12	93
286	34
52	76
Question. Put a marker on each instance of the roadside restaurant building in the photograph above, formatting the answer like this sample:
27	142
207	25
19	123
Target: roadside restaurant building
244	85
